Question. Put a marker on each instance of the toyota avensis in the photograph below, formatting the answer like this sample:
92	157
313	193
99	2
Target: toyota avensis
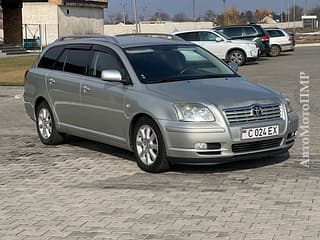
167	100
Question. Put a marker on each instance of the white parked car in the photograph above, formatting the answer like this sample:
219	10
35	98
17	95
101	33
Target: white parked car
238	51
280	41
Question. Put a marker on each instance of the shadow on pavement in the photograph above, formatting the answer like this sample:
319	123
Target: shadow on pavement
100	147
190	169
233	166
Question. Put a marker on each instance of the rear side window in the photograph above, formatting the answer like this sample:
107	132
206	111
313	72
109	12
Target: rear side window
233	32
249	31
275	33
76	61
192	36
49	58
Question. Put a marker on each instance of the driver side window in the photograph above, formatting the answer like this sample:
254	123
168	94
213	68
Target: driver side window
104	61
207	36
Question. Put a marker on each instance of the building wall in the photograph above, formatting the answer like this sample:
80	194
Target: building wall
80	20
163	27
284	25
43	14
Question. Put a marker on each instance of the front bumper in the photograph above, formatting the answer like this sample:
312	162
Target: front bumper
181	139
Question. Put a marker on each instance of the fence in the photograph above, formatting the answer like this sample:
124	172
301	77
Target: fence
161	27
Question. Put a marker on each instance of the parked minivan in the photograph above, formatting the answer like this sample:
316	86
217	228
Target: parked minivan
168	101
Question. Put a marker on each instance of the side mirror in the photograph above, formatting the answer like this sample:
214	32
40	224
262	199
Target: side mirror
219	39
111	75
234	66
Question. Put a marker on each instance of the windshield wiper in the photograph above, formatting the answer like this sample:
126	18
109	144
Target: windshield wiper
187	78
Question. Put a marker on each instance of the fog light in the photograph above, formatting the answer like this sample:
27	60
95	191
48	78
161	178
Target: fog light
200	146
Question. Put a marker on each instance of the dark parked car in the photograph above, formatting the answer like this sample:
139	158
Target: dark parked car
251	32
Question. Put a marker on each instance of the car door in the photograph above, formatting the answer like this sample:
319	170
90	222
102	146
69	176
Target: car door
63	83
208	40
102	101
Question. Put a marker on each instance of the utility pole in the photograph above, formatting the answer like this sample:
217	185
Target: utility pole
135	14
124	5
305	7
281	11
194	10
224	10
144	10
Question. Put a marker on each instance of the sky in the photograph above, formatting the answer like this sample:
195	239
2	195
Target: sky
175	6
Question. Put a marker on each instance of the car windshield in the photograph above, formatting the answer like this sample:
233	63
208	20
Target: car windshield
155	64
223	35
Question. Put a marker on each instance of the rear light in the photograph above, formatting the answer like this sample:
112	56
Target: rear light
290	39
265	38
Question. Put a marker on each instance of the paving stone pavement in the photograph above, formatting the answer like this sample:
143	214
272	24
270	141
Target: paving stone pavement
86	190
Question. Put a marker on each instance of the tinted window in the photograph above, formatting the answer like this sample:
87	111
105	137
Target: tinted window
104	61
207	36
76	61
49	58
192	36
249	31
275	33
233	32
154	64
61	61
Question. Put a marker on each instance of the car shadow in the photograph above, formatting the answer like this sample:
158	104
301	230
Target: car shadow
100	147
190	169
232	166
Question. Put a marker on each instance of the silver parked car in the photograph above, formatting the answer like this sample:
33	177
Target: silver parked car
168	101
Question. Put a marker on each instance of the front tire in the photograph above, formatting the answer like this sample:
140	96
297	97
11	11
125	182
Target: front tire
46	127
237	56
149	147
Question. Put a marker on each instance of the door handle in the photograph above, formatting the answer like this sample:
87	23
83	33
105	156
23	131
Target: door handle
85	89
51	81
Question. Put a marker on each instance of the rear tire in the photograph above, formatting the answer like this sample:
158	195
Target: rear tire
149	147
275	51
237	56
46	126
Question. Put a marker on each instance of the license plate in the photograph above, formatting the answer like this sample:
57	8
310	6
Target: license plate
260	132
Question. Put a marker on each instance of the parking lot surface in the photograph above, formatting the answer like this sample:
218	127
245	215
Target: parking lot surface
87	190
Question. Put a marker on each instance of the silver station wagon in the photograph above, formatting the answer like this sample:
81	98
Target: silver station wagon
167	100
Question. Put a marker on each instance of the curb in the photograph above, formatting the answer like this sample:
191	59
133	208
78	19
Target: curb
308	45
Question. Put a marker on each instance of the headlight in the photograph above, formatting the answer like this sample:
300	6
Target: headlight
253	45
193	112
287	103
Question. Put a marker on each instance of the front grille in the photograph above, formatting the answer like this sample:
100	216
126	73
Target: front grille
258	145
248	114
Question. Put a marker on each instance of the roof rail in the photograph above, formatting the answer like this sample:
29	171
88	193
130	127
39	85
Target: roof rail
74	37
153	35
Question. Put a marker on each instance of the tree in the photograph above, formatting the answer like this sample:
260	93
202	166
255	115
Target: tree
160	16
180	17
209	16
297	11
231	16
315	11
261	13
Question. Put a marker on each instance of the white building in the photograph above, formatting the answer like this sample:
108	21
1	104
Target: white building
51	19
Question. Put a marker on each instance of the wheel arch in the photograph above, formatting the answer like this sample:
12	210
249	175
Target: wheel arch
134	121
236	49
37	102
278	45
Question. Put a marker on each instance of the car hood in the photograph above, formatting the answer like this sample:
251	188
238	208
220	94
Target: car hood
221	92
